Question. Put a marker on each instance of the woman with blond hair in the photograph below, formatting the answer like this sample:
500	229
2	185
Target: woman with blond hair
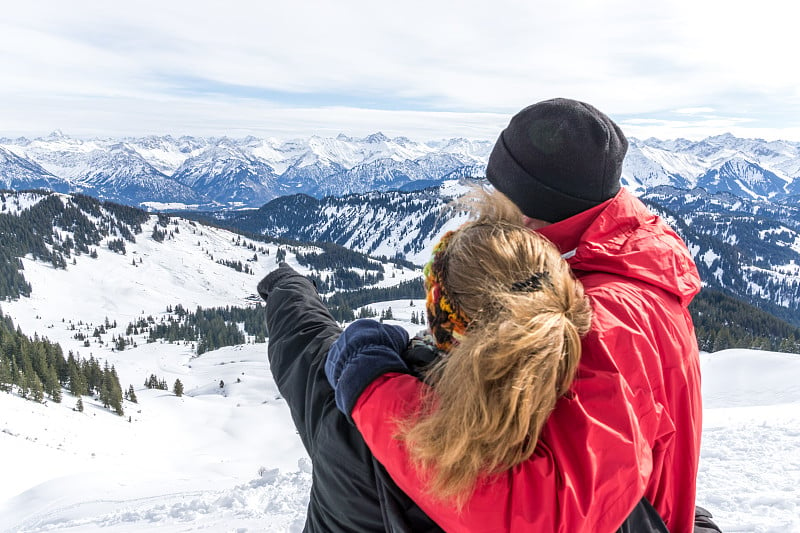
504	307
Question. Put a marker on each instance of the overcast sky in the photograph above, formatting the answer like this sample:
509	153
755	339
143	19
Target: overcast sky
423	69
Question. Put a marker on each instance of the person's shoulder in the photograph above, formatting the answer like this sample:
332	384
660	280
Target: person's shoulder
605	285
616	299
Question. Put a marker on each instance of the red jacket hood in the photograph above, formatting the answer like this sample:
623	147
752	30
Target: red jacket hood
622	237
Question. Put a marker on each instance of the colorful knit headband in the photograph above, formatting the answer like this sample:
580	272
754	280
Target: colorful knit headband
447	322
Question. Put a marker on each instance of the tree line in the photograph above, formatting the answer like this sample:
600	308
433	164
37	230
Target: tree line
342	304
210	328
336	257
723	322
36	368
346	280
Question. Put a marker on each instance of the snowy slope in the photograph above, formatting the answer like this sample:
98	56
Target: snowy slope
232	462
18	173
389	223
750	456
176	458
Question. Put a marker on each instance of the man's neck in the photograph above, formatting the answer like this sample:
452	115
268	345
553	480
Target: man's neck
566	233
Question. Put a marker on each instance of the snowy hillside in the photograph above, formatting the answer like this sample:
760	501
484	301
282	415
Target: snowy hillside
749	464
210	173
747	248
225	455
404	223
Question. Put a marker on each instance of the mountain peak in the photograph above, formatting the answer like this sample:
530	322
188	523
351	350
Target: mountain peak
378	137
725	137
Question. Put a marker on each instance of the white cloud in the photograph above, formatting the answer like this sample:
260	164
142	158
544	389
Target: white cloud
695	110
700	129
94	65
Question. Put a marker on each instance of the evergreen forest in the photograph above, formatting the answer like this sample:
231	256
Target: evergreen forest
36	369
207	329
723	322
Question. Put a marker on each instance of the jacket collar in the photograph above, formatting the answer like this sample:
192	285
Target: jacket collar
566	233
620	236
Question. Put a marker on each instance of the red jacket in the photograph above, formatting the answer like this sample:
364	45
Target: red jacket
630	426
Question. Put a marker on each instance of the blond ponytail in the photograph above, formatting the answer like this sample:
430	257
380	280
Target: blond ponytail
492	394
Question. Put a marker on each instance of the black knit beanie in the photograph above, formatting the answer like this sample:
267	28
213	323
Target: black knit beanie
558	158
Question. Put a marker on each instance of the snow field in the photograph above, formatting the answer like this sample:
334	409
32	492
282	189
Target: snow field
229	459
750	462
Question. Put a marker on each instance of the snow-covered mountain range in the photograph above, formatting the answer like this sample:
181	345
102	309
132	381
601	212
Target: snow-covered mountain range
167	172
164	172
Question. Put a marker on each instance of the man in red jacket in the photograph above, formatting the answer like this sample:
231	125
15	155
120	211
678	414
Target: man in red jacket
630	426
560	162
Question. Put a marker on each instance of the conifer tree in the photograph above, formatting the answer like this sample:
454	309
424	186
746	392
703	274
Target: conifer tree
115	391
52	385
36	388
23	383
79	404
105	393
77	379
5	373
178	388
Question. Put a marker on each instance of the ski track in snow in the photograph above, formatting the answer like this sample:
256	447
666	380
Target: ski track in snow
273	502
756	454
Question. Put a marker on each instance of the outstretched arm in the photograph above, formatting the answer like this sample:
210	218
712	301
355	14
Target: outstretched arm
300	332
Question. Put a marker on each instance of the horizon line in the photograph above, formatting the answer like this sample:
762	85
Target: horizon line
59	133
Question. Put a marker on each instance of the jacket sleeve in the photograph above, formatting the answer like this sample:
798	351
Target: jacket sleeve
591	465
364	351
301	331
